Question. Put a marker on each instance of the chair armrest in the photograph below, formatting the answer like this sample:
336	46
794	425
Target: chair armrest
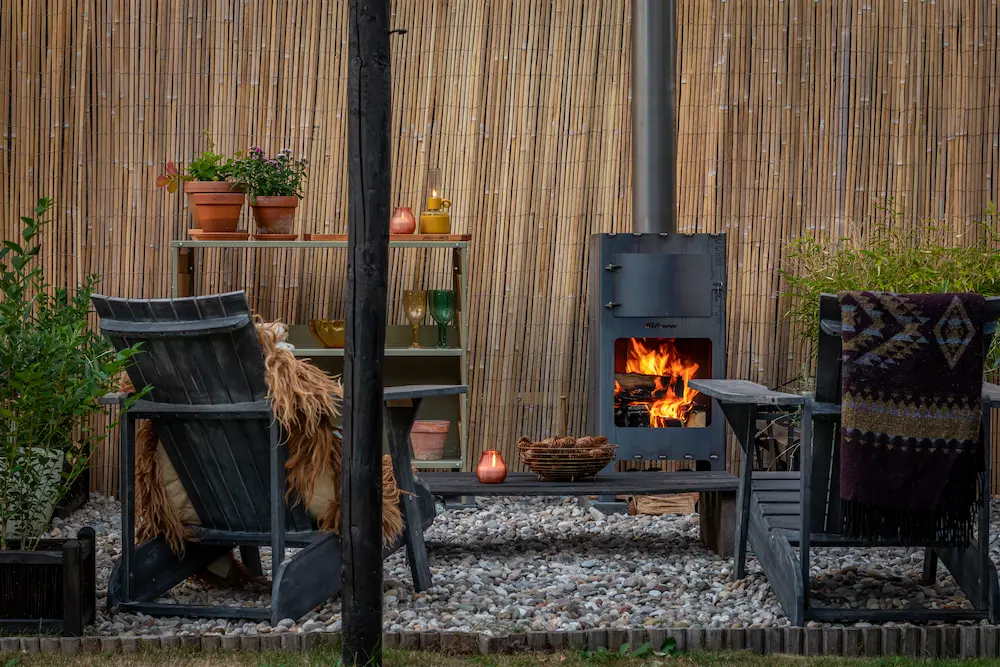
991	395
744	392
118	397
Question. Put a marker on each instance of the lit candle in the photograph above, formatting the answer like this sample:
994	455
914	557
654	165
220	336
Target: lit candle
491	468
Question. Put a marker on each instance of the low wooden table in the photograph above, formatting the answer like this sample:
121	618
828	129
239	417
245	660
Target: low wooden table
717	506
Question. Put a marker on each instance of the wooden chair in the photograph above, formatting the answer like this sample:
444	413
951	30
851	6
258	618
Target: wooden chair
208	402
779	511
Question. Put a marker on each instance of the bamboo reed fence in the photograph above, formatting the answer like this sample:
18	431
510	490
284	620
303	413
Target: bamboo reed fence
794	116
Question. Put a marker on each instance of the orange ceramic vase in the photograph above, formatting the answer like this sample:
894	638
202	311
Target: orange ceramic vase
402	221
215	205
491	468
274	215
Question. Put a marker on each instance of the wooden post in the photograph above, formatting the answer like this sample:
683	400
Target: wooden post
369	115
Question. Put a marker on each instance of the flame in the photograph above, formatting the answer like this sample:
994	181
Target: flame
660	358
434	192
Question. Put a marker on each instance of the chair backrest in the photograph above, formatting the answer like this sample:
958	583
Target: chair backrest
203	351
825	454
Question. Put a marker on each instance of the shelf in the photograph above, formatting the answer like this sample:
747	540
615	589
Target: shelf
404	365
437	465
311	244
389	352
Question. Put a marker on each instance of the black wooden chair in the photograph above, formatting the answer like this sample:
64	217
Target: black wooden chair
777	511
208	402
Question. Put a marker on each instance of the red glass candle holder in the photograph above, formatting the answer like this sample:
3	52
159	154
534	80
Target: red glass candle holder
491	468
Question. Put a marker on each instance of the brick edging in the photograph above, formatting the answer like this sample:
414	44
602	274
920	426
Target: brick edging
941	641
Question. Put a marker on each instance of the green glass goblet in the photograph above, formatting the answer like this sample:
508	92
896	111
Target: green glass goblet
441	304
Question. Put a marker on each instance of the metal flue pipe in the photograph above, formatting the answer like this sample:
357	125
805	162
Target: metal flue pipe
654	117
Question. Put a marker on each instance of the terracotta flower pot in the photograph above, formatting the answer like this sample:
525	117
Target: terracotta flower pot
274	215
215	205
428	438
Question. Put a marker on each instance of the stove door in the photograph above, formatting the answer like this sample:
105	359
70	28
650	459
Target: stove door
663	285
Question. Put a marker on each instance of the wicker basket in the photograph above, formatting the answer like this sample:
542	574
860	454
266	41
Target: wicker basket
566	459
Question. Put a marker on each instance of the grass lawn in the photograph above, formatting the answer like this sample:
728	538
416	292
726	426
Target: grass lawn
425	659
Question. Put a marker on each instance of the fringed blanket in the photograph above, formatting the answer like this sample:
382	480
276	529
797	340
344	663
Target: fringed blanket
911	436
307	403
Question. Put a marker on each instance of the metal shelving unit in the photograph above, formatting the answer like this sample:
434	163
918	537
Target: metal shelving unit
404	365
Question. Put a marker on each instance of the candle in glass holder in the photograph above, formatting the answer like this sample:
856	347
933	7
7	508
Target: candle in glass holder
491	468
436	219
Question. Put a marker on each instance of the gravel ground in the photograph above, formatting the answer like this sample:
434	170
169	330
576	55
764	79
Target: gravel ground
543	564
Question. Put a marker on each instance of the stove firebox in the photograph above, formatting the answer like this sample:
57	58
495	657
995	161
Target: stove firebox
658	321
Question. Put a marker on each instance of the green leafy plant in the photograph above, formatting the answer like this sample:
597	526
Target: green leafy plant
53	371
603	656
890	258
209	166
279	176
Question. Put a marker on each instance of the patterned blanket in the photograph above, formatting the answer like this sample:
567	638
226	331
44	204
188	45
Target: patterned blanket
911	429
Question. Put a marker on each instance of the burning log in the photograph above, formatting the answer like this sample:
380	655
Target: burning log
635	384
696	418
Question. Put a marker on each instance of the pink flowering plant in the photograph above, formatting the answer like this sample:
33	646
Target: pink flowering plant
278	176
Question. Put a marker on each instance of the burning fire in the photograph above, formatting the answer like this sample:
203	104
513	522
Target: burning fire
659	358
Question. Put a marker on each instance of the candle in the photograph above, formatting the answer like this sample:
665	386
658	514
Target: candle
491	468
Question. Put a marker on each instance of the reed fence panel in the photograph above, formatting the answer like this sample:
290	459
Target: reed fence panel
794	116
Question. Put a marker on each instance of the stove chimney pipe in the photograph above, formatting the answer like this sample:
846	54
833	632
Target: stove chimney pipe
654	118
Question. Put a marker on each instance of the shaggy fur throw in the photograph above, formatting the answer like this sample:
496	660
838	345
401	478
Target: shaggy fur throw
306	401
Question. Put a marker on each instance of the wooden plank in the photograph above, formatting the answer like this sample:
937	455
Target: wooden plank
174	329
791	486
152	409
396	238
965	566
398	423
201	611
779	563
422	391
606	483
897	615
156	569
306	580
779	509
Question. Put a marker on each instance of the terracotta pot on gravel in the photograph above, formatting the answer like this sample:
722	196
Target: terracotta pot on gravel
215	205
274	215
428	438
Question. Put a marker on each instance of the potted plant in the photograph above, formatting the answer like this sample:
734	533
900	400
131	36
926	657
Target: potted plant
216	203
54	369
274	185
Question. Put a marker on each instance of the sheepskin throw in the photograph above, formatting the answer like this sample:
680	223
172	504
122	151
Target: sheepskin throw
306	401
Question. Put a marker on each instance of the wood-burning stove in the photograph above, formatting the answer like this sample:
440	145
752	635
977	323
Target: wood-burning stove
658	320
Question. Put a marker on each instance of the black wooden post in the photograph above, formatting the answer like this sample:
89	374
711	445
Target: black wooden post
369	115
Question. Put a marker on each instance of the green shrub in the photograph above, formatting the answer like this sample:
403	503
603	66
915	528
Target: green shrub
53	371
924	259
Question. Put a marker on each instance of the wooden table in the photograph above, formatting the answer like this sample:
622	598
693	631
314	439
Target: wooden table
717	506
